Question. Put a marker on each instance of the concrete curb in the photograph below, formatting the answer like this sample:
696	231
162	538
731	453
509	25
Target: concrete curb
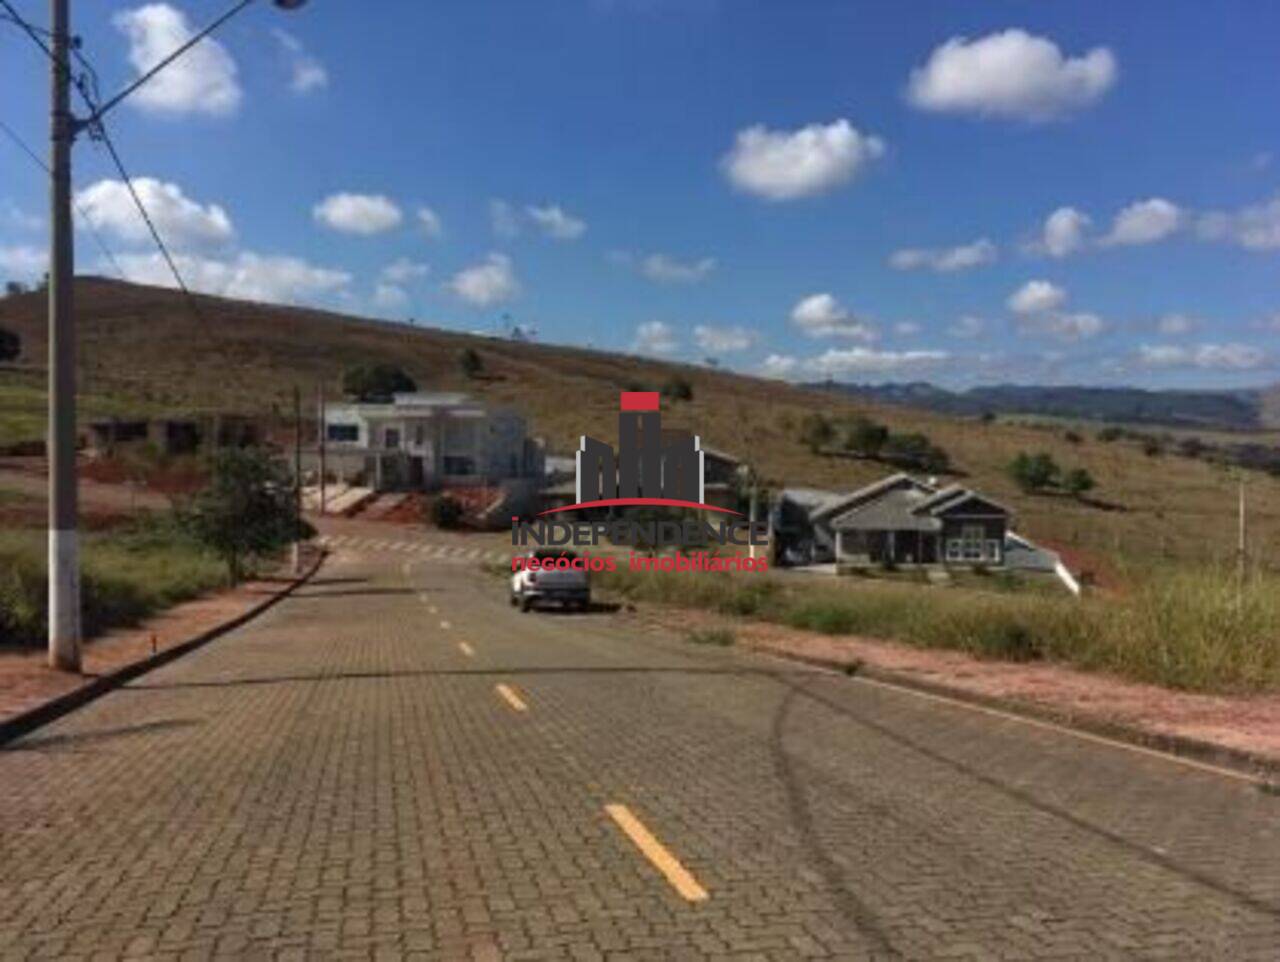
28	721
1261	767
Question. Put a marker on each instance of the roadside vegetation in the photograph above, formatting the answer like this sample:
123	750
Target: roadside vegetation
229	530
128	574
1199	631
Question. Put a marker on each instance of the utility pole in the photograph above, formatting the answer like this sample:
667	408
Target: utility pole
60	446
320	443
297	478
1240	546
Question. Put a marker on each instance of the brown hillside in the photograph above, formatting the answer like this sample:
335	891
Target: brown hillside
142	349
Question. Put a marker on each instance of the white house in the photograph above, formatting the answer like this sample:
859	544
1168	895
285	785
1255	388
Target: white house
426	441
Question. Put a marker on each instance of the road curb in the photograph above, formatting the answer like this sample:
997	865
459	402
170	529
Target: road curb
1265	769
28	721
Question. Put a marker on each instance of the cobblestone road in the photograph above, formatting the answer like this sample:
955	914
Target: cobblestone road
394	763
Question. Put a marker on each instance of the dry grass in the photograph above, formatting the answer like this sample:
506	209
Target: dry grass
1199	632
140	349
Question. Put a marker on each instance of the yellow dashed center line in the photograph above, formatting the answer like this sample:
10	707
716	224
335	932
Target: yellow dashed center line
655	852
466	649
508	694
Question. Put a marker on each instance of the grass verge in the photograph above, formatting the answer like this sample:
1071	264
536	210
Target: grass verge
126	576
1198	631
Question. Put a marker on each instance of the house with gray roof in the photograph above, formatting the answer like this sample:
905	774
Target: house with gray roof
899	520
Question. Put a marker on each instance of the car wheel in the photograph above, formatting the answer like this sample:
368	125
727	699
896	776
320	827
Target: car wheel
514	600
526	603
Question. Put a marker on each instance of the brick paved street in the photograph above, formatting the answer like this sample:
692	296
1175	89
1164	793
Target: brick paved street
343	778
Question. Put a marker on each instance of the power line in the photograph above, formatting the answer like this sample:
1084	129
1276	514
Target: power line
84	215
99	130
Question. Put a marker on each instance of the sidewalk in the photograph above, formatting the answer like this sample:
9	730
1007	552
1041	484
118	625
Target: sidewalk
26	682
1242	725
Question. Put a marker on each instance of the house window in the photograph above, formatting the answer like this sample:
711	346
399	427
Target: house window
419	434
974	538
955	549
993	550
391	438
344	432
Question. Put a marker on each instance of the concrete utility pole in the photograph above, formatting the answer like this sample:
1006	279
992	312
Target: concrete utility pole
297	477
320	445
60	446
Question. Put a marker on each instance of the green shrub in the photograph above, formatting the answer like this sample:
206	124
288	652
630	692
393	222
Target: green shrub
446	512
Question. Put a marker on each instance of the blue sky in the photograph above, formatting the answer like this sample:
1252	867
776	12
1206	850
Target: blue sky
1030	192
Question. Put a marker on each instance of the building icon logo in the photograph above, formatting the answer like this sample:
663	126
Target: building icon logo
647	470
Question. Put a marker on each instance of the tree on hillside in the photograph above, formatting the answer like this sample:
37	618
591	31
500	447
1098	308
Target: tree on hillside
816	432
865	437
1033	472
376	382
470	362
10	345
678	388
1078	482
247	510
14	288
915	450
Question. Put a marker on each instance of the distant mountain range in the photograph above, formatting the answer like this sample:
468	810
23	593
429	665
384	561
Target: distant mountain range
1237	410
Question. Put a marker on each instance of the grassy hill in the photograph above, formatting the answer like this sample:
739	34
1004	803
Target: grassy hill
143	350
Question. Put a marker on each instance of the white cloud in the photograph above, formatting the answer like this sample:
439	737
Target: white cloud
785	165
1010	74
503	219
821	315
655	337
1144	222
491	282
665	269
1036	297
1255	228
863	360
779	366
723	340
306	73
402	271
390	296
553	221
968	327
255	277
906	328
1222	357
1068	327
358	213
1172	324
23	262
1064	232
945	260
181	222
430	223
202	80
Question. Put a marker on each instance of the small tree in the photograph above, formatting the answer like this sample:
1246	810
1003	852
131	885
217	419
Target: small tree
816	432
247	510
10	344
14	288
1078	482
915	450
471	363
678	388
1033	472
863	436
446	512
376	382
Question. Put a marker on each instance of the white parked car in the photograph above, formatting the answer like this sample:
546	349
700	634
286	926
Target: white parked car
551	575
